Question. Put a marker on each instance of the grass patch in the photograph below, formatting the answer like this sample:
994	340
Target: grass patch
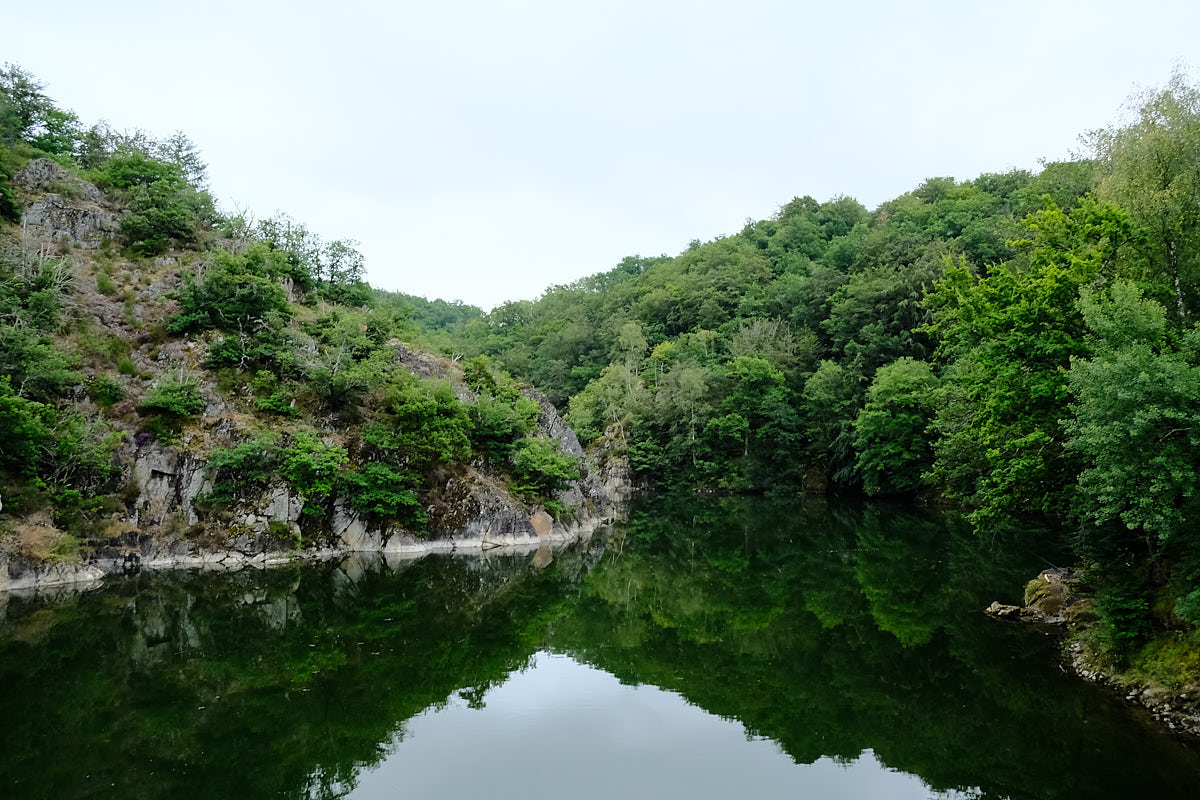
105	285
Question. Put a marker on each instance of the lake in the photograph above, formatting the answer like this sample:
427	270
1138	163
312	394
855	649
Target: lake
706	648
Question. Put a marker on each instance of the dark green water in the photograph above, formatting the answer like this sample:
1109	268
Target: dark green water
710	648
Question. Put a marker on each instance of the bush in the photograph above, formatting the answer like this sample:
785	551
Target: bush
311	468
134	168
385	493
9	208
105	285
104	391
238	471
163	208
27	425
280	403
541	468
356	294
498	425
236	293
428	425
176	399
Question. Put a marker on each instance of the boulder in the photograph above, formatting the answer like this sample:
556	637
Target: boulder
68	209
1048	596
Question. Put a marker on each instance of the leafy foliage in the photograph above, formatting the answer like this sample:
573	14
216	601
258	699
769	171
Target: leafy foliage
312	468
240	471
173	398
540	468
893	447
235	294
1136	416
386	493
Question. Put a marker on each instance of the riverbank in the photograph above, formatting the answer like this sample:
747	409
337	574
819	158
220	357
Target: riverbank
1056	601
137	552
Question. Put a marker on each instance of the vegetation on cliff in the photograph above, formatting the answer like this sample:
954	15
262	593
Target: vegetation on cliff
135	316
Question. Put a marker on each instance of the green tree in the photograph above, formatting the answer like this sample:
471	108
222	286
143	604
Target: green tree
829	403
312	468
1010	336
1151	168
890	431
426	425
28	115
235	294
174	398
540	468
1136	417
27	427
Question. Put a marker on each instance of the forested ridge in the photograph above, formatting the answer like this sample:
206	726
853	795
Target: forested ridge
1020	343
1016	344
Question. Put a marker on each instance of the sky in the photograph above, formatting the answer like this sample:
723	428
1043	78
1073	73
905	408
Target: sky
484	151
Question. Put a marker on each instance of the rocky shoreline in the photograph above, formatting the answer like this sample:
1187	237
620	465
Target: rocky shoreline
1053	604
244	552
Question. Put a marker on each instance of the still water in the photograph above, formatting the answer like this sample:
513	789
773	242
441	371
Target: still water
706	649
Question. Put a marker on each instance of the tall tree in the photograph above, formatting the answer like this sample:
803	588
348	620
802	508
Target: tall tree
1151	168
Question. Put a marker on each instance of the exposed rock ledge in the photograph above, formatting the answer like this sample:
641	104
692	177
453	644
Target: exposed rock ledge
469	509
244	552
1053	603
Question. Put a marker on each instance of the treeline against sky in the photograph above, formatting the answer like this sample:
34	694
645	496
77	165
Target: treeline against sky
1018	343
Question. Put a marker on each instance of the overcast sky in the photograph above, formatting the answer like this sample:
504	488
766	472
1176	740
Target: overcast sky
484	151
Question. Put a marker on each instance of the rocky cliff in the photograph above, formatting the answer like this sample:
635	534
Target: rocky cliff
119	310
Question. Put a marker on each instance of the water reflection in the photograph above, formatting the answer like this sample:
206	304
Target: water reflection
569	730
847	638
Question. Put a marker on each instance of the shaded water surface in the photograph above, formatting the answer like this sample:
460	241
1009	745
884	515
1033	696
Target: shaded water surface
708	648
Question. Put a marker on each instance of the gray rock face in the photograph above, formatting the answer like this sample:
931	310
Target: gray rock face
57	218
473	505
276	505
469	507
552	425
68	209
423	365
45	176
167	484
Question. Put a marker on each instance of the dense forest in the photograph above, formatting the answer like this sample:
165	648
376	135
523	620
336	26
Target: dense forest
1019	344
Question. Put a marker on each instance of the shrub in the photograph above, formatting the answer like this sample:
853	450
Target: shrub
497	425
163	208
105	391
311	468
236	293
385	493
27	425
280	403
428	424
541	468
237	471
356	294
131	169
9	208
180	398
